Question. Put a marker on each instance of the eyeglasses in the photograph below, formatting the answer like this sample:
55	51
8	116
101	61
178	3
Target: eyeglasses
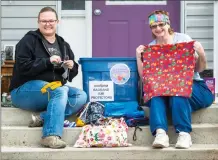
44	22
161	25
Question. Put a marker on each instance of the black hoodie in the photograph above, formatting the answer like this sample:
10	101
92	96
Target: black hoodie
32	61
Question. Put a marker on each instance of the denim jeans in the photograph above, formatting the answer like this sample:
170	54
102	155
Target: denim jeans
54	105
180	107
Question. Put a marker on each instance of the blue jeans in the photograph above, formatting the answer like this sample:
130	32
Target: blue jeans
54	105
181	108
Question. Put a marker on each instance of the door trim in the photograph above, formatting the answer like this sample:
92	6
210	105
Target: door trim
87	14
88	19
182	16
215	47
163	2
58	9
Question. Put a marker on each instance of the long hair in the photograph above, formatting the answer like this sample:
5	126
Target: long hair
170	30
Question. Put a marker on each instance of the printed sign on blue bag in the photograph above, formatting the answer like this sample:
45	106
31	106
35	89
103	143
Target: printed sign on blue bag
101	91
120	73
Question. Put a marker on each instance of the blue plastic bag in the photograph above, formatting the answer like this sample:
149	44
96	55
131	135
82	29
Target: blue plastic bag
128	109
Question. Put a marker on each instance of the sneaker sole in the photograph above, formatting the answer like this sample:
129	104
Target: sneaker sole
53	147
33	125
160	146
182	147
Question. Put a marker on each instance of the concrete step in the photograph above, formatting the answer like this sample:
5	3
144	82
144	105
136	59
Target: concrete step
24	136
196	152
18	117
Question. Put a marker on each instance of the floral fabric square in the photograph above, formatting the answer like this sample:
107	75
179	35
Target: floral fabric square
168	70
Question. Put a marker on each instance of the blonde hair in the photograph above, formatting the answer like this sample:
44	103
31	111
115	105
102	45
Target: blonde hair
170	30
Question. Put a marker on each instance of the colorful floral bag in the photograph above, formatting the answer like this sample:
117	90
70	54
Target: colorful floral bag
112	133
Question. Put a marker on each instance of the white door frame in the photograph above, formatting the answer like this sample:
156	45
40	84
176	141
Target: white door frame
215	46
88	20
182	16
88	17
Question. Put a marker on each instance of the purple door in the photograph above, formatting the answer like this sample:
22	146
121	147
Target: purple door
119	29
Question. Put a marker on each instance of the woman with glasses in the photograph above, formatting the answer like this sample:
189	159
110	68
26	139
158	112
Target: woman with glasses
44	63
180	107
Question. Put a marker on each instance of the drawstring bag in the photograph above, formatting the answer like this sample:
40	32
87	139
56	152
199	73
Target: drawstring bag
91	113
134	122
111	133
137	123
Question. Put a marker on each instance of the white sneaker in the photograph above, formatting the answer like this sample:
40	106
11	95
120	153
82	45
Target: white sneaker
184	141
161	139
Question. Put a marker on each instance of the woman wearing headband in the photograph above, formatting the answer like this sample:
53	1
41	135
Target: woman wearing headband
181	107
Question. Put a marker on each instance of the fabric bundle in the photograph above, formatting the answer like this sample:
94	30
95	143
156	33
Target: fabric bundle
168	70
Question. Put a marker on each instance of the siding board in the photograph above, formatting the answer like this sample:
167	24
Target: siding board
200	34
9	23
18	17
21	11
8	34
199	22
28	3
199	11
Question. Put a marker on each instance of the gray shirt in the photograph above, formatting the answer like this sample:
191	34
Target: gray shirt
53	48
178	38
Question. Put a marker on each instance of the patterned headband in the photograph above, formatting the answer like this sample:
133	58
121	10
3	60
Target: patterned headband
158	18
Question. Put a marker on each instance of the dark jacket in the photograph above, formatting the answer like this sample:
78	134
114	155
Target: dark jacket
32	61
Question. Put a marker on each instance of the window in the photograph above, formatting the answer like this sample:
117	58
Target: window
136	2
73	4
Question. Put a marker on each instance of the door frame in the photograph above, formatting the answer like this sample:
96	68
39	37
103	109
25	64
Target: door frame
182	17
88	19
215	46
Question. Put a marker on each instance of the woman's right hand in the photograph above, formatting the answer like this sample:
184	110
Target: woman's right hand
55	59
139	51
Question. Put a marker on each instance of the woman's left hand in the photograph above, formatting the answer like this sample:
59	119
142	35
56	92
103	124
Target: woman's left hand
69	64
199	48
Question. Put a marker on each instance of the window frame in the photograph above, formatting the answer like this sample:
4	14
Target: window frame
159	2
72	9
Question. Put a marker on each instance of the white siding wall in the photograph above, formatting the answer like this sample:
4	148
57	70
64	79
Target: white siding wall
199	25
18	17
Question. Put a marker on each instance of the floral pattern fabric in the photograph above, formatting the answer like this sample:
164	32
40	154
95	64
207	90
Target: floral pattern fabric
168	70
112	134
